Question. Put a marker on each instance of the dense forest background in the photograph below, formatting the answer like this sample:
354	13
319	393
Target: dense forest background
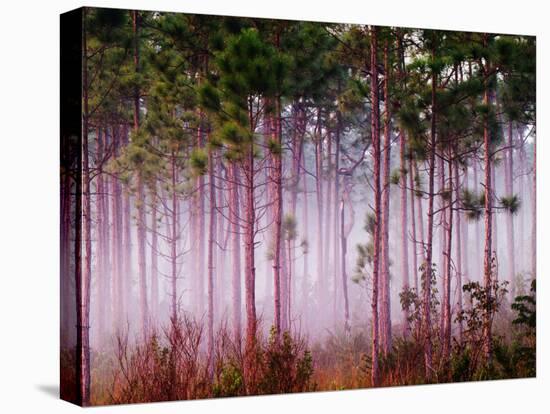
275	206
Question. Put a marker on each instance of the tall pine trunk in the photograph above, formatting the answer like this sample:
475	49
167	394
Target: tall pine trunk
327	221
427	274
174	236
154	256
404	229
414	232
280	316
117	294
375	130
345	231
488	218
534	213
102	250
141	219
305	276
127	266
509	190
211	267
385	322
447	270
234	217
459	258
250	268
321	280
337	215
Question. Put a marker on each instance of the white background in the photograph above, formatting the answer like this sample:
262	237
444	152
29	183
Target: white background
29	152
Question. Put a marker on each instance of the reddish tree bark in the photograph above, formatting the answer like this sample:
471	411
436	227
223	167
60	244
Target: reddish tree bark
200	228
427	276
127	262
415	238
321	280
488	218
385	322
478	267
102	217
234	211
305	220
249	237
447	271
280	316
459	247
337	215
509	190
375	130
141	215
211	269
174	236
345	231
154	256
116	242
328	219
534	213
404	228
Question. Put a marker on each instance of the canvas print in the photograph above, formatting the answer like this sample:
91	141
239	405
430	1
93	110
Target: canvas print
256	206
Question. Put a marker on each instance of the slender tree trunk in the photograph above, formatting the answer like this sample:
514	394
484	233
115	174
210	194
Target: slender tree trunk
297	150
459	258
534	214
174	236
443	239
443	221
211	269
375	130
305	276
116	242
222	237
494	228
523	191
447	270
344	234
127	281
141	219
290	280
200	227
102	252
278	213
420	216
465	237
404	228
478	269
508	171
250	268
321	280
488	217
427	276
106	235
65	257
285	288
385	322
234	215
328	217
269	291
337	215
413	226
154	258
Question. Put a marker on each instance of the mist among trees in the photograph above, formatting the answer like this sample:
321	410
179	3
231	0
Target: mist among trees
274	206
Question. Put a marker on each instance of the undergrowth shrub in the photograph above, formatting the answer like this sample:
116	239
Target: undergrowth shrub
175	365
